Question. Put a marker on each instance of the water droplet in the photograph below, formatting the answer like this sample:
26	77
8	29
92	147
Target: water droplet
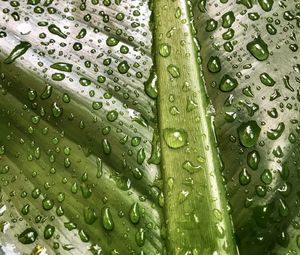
258	48
191	168
97	105
141	156
214	64
140	237
175	138
266	79
107	220
228	34
33	2
253	16
228	83
227	19
58	76
84	81
123	67
46	93
28	236
253	159
99	168
56	110
36	193
283	208
56	31
202	6
266	177
248	133
274	134
244	177
271	29
81	34
49	231
25	209
151	85
84	237
266	5
173	70
112	116
17	52
89	215
134	213
211	25
247	91
164	49
77	46
112	41
260	190
298	241
62	66
48	204
70	225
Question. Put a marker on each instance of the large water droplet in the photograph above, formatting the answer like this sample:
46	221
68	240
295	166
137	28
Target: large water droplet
227	19
258	48
123	67
18	51
266	5
175	138
248	133
49	231
228	83
274	134
62	66
28	236
56	31
266	79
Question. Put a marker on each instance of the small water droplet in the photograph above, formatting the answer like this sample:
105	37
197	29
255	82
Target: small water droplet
107	220
164	49
134	213
253	159
173	70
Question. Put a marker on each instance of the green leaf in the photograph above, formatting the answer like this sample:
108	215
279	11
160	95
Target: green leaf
76	130
260	51
107	143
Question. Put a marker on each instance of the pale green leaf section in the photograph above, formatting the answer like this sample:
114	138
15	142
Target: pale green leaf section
196	213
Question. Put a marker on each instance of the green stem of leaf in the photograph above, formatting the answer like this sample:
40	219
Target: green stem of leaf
196	213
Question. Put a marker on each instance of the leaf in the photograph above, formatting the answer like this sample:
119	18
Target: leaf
259	50
81	137
194	193
76	130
